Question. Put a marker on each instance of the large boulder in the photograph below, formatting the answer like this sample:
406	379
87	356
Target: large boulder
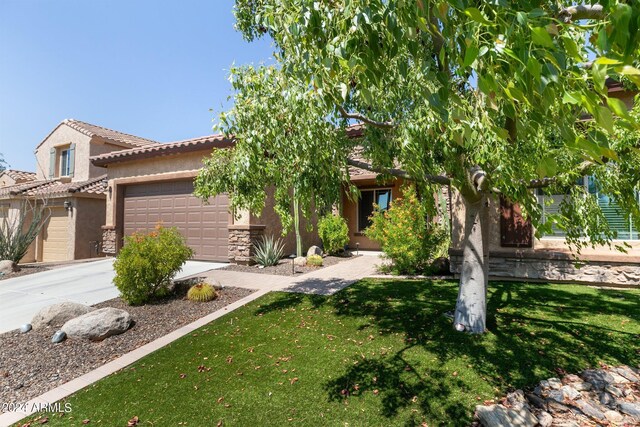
7	266
99	324
314	250
56	315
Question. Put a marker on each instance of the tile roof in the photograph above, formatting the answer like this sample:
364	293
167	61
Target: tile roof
185	146
55	188
19	176
104	133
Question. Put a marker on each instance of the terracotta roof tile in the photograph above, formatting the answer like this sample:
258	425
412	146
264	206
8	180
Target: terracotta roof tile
104	133
185	146
56	188
19	176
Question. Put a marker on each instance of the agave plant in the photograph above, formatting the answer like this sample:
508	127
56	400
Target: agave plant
268	251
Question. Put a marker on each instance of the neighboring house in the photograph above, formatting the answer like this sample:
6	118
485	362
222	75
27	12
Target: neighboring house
73	190
515	253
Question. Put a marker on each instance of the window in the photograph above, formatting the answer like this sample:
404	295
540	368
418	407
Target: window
65	163
620	223
369	198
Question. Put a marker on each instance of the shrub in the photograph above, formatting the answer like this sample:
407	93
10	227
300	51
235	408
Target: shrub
333	232
314	260
147	263
202	292
406	235
268	251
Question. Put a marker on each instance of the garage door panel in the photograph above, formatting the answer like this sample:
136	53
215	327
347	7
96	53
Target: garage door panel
204	226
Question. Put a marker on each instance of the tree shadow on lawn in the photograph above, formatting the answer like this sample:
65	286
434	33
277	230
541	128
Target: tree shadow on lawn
535	332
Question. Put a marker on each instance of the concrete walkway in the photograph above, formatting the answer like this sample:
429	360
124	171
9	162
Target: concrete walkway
85	283
324	281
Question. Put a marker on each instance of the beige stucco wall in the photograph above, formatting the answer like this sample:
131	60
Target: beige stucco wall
545	243
9	215
273	227
6	180
86	146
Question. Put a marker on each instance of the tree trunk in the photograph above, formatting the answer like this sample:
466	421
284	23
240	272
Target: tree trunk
296	224
471	308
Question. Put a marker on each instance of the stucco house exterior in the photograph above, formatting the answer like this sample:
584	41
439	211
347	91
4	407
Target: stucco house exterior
514	252
73	190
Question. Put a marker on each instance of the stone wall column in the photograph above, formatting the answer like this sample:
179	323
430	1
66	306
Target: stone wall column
109	240
241	242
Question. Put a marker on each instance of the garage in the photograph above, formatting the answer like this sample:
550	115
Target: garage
55	236
171	203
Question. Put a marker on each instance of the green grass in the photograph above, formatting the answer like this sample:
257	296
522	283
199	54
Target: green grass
379	353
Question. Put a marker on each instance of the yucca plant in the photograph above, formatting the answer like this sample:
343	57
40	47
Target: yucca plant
268	251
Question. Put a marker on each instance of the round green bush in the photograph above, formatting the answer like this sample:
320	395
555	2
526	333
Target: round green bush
314	260
202	292
148	262
333	232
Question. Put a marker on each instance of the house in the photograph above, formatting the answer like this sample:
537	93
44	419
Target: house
514	253
71	188
154	184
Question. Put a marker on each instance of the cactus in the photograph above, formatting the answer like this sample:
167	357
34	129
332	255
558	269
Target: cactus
202	292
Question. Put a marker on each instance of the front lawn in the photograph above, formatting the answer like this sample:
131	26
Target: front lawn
378	353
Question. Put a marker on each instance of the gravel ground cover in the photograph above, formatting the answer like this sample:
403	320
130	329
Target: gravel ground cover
284	266
31	365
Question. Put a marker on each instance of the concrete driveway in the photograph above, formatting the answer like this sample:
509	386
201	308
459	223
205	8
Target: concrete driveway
87	283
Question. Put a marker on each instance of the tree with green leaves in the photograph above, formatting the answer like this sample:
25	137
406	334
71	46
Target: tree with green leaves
488	97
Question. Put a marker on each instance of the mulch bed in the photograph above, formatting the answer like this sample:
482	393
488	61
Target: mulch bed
25	270
31	365
284	266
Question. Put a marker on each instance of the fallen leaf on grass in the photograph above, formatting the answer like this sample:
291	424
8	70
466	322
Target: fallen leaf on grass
220	399
87	421
133	421
376	392
219	424
183	376
44	420
293	380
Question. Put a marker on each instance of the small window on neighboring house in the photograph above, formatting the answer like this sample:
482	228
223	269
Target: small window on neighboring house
379	197
65	163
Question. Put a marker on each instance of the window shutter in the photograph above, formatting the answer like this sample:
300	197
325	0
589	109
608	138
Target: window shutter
515	232
72	159
52	163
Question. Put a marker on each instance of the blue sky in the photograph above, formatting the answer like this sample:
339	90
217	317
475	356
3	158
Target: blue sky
149	68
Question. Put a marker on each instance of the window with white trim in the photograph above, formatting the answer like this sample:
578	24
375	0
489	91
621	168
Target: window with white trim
65	162
369	199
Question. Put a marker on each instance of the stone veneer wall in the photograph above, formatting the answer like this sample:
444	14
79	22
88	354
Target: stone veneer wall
109	240
608	272
241	240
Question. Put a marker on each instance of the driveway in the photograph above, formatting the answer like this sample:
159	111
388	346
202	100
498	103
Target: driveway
87	283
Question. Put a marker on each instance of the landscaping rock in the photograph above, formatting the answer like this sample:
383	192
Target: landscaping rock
216	285
99	324
300	261
314	250
57	315
441	266
7	266
607	396
58	337
499	416
25	328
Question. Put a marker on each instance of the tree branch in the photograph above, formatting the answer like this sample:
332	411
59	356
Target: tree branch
436	179
583	169
583	11
364	119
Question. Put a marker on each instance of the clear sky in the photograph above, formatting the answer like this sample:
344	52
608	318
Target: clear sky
149	68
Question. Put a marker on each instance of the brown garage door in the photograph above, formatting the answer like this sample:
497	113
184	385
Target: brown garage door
205	226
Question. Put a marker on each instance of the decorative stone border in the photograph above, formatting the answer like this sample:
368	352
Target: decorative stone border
241	242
